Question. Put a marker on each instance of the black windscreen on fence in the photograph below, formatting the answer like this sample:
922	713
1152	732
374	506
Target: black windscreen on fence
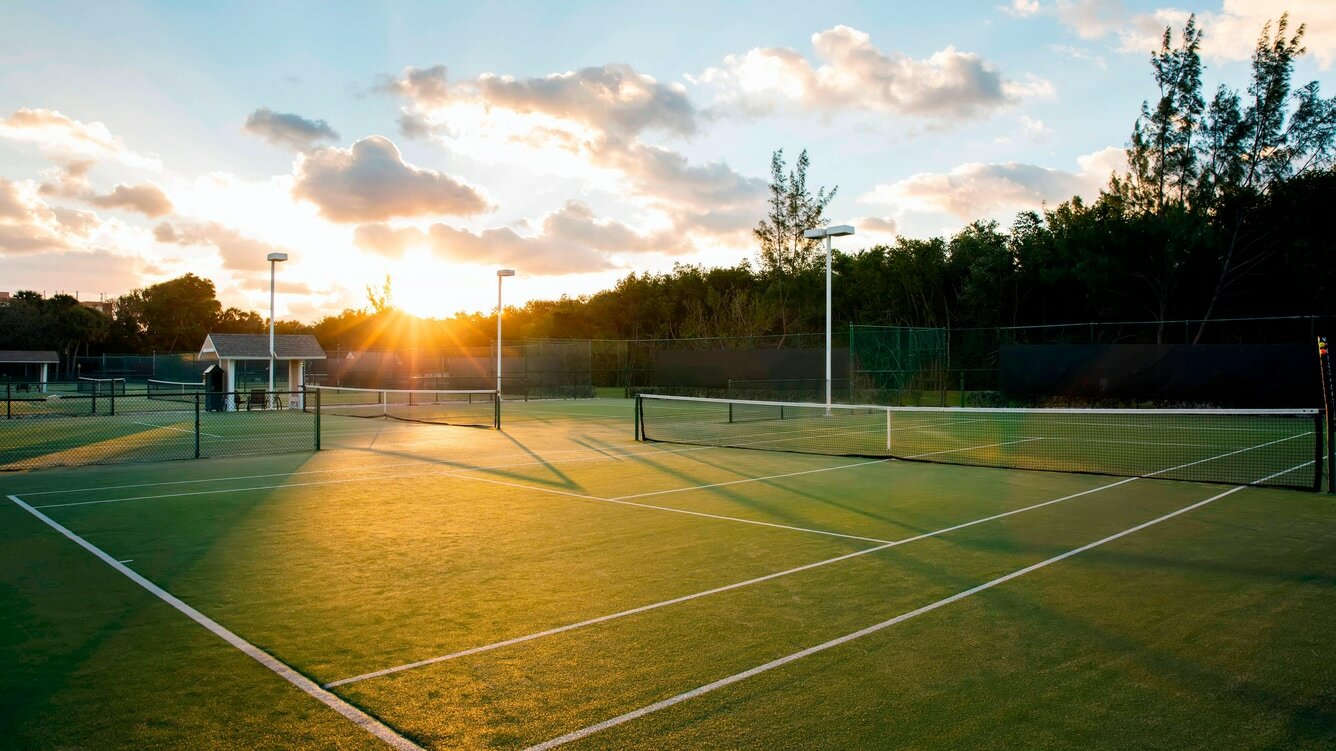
1234	375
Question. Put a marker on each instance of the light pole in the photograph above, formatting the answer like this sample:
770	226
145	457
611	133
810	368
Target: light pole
500	274
274	259
838	230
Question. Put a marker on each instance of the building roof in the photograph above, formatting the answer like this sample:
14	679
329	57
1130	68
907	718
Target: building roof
256	347
20	355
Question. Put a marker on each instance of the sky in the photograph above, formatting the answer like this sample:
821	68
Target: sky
436	142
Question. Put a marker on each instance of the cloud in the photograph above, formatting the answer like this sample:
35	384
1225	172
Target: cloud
236	250
973	190
27	224
1079	53
1021	8
286	129
147	199
569	240
1092	19
1227	34
855	75
587	124
71	181
613	99
59	135
370	182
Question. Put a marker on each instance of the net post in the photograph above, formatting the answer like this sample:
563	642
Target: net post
197	429
640	432
317	418
1319	428
496	411
888	430
113	398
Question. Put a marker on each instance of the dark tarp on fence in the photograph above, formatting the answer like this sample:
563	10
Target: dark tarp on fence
1226	375
714	369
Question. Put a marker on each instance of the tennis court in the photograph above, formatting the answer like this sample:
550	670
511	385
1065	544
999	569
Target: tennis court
557	583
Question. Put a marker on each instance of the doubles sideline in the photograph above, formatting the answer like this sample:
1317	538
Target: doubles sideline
280	668
883	544
716	590
876	627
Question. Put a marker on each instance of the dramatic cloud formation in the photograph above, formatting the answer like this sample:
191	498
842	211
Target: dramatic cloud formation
570	240
614	99
856	75
975	190
286	129
370	182
61	136
236	250
591	120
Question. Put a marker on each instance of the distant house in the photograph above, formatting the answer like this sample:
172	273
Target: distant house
105	307
230	349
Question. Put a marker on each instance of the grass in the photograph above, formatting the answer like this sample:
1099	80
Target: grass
402	543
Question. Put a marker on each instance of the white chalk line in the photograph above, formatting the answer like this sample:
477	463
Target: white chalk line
282	669
518	485
169	427
656	449
737	677
716	590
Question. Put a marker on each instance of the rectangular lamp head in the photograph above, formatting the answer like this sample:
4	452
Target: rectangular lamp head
277	257
505	272
839	230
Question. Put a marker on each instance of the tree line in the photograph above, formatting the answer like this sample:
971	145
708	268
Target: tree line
1224	210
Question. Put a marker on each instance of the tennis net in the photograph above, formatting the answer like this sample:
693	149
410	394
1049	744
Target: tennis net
1240	447
88	385
474	408
174	391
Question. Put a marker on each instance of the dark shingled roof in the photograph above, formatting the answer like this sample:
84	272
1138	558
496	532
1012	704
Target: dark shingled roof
256	346
19	355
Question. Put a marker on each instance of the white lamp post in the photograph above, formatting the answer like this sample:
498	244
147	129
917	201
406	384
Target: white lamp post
838	230
274	259
500	274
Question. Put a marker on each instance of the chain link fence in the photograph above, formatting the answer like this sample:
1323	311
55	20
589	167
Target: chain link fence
73	429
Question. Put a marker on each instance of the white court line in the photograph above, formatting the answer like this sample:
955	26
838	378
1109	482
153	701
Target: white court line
746	480
168	427
716	590
685	598
972	448
361	478
287	673
670	509
653	449
735	678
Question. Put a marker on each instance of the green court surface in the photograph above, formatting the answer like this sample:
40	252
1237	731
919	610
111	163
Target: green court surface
558	584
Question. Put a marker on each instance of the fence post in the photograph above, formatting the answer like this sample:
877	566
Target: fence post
317	417
9	402
197	428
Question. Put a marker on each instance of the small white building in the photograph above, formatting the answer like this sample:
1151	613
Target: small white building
292	350
29	363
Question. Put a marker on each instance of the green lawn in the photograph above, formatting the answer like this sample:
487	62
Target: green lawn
403	543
